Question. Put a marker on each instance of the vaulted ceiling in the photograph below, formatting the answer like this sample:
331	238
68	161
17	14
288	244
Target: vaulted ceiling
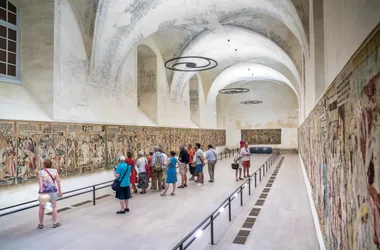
268	33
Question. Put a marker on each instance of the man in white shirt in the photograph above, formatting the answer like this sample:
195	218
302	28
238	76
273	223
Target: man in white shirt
244	152
211	159
165	168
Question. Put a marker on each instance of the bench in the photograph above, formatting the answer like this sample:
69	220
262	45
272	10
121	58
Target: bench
260	150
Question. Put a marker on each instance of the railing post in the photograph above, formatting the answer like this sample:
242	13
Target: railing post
255	180
229	208
212	229
249	186
93	195
181	246
260	173
263	170
241	196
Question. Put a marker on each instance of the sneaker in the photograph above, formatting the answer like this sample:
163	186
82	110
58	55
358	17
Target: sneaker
200	184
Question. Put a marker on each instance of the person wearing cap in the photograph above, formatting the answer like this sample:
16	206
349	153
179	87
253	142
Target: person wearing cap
123	173
143	181
244	152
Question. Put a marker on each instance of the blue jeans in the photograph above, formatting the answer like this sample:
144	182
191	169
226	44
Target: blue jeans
199	168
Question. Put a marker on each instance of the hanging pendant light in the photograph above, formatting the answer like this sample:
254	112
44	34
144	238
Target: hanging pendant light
191	63
233	90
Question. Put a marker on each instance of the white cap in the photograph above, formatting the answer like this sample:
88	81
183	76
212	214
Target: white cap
122	158
141	153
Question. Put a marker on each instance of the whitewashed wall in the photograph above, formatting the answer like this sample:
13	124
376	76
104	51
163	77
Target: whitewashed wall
278	110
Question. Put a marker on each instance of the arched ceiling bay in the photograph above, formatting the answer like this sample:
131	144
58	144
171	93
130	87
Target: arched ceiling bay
173	41
122	24
251	47
240	74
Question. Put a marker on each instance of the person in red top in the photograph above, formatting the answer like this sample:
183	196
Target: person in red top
149	158
131	163
192	168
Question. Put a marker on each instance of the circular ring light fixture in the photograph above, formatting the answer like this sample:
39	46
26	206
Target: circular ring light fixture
231	91
191	63
252	102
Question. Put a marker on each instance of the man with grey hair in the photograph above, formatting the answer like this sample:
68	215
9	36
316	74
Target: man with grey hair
158	165
184	160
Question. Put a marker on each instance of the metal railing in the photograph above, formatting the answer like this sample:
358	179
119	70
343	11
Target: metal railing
209	220
91	188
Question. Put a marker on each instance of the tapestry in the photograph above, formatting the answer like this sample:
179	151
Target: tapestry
8	154
213	137
82	148
261	136
339	144
183	135
85	148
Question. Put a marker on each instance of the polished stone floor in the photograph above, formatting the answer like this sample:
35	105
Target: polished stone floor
160	222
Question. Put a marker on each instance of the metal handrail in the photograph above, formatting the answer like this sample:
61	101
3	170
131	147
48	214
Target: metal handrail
92	188
209	220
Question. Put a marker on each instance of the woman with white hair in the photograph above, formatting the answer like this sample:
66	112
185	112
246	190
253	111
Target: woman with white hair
141	163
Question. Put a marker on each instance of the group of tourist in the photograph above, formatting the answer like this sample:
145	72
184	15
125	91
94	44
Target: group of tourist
136	174
162	170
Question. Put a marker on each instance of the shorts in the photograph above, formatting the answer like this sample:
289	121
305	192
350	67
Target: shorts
199	168
182	168
53	196
246	164
124	193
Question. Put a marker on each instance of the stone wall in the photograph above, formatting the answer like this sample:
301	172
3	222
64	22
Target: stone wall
78	148
339	143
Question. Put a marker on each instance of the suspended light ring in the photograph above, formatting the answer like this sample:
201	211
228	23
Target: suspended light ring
251	102
231	91
190	64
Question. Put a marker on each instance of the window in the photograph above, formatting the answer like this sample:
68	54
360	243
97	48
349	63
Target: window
8	42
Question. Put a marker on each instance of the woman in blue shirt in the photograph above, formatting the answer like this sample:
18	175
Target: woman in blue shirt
123	173
171	175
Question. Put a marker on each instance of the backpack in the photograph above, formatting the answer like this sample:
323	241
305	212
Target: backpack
158	164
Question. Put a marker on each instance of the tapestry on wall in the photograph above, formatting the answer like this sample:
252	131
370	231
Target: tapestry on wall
8	154
185	136
261	136
213	137
80	148
340	146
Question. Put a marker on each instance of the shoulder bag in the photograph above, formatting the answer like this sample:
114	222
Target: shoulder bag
116	183
216	157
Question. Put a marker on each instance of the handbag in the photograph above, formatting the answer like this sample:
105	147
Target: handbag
235	165
116	183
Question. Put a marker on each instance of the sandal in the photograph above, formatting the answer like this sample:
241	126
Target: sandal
56	225
163	194
172	194
40	226
182	186
120	212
